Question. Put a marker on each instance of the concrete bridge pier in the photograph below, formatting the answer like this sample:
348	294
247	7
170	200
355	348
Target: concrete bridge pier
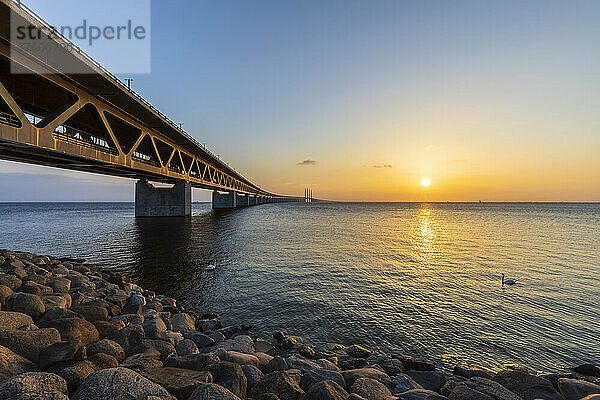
151	201
242	200
223	201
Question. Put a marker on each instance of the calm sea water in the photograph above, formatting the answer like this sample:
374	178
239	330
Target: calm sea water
417	278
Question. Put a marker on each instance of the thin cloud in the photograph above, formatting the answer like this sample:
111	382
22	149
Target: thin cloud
307	162
382	166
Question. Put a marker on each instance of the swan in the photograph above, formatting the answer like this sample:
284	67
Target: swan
507	281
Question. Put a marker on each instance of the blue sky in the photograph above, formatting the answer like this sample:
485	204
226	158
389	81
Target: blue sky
493	100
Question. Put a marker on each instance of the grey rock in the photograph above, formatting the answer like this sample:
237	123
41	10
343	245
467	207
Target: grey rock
277	364
107	329
198	362
370	389
237	357
230	376
284	384
470	370
210	391
119	384
59	353
415	364
25	303
392	366
34	288
165	349
296	361
129	337
10	281
420	394
12	364
253	375
463	392
130	319
326	390
199	338
5	291
141	362
11	321
209	324
76	373
529	387
59	284
74	329
182	322
357	351
368	372
430	380
491	389
103	361
263	360
403	383
34	386
155	328
29	343
186	347
181	383
92	313
587	370
106	346
575	389
320	375
264	346
56	300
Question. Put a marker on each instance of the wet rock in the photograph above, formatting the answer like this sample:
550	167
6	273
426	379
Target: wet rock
370	389
430	380
210	391
352	363
209	325
106	346
253	375
216	336
103	361
119	384
186	347
420	394
470	370
279	336
12	364
587	370
59	353
415	364
230	376
25	303
307	351
267	396
181	383
107	329
490	388
527	386
326	390
357	351
75	374
29	343
368	372
284	384
320	375
575	389
34	385
403	383
230	331
73	329
11	321
289	343
198	362
327	364
155	328
199	338
240	343
466	393
277	364
92	313
182	322
391	366
263	346
298	362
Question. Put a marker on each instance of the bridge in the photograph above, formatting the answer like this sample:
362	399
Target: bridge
91	121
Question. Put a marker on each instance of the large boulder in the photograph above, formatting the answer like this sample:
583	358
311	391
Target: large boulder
403	383
61	352
575	389
5	291
230	376
430	380
198	362
199	338
237	357
253	375
12	364
368	372
284	384
296	361
320	375
75	373
74	330
155	328
421	394
129	337
186	347
210	391
29	343
391	366
182	322
326	390
181	383
106	346
470	370
26	303
119	384
370	389
34	386
357	351
11	321
463	392
415	363
490	388
91	312
587	369
529	387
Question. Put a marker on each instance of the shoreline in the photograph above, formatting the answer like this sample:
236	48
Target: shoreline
71	330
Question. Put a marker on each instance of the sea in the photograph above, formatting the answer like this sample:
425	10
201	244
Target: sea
418	278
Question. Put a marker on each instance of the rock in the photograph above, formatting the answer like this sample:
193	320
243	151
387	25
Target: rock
75	374
277	364
106	346
34	288
326	390
307	351
253	375
430	380
186	347
298	362
470	370
25	303
155	328
196	362
165	349
263	360
59	353
420	394
182	322
267	396
107	329
357	351
29	343
129	337
327	364
353	363
415	364
289	343
587	370
370	389
403	383
210	391
279	336
216	336
320	375
462	392
74	330
103	361
56	300
391	366
130	319
12	364
212	324
10	281
230	376
575	389
58	284
34	386
592	397
92	313
141	362
263	346
119	384
11	321
368	372
57	313
240	343
490	388
181	383
527	386
284	384
200	339
5	291
237	357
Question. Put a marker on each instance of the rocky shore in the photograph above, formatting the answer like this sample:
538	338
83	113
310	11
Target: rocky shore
69	330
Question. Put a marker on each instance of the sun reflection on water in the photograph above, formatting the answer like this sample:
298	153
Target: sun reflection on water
425	241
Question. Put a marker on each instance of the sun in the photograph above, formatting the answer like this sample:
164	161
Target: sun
426	182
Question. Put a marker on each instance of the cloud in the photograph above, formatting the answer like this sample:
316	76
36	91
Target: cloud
307	162
382	166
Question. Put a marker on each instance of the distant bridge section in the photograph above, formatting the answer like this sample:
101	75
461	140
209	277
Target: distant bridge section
91	121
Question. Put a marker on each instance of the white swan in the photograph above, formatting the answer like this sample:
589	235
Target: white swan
507	281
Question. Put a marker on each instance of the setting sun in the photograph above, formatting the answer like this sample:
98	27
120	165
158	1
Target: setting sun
426	182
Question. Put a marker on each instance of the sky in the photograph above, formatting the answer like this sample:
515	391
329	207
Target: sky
362	100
